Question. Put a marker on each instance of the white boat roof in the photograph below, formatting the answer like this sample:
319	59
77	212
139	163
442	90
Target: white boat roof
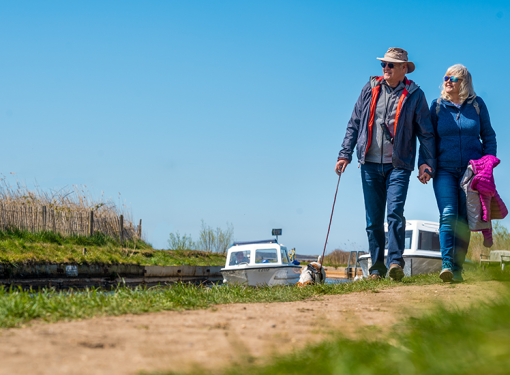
419	224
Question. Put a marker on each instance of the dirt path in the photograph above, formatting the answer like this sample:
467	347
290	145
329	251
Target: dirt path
215	337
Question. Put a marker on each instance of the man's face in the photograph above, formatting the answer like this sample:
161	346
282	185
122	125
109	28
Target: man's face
395	74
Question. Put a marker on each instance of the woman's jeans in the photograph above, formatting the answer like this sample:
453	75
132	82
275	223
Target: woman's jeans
383	184
454	231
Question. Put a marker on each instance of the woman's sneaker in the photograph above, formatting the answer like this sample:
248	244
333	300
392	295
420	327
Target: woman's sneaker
457	277
446	273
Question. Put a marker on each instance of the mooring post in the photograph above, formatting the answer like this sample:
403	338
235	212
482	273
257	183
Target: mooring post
140	229
121	229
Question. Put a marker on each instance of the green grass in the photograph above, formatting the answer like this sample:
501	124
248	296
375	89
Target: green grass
19	307
22	247
459	342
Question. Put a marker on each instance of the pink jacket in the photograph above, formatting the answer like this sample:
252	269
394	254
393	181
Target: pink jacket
493	207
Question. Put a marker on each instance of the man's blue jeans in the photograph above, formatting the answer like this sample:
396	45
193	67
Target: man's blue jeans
454	231
383	184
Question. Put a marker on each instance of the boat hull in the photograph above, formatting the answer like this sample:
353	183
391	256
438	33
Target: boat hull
414	264
258	276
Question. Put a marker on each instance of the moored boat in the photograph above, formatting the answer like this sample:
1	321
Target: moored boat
422	251
259	263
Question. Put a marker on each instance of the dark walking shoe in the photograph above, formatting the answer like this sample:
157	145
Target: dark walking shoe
457	277
396	272
375	276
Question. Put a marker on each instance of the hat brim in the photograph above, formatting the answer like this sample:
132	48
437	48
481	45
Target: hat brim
410	64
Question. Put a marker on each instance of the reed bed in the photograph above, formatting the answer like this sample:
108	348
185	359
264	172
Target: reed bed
337	258
68	212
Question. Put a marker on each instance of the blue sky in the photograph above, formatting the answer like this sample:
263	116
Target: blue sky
227	111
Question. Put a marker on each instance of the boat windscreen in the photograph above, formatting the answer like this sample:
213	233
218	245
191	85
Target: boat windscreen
408	240
285	257
266	256
239	257
429	241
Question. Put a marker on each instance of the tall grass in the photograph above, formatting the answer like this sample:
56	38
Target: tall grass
18	307
500	236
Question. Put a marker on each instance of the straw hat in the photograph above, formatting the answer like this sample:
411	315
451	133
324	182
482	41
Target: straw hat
398	55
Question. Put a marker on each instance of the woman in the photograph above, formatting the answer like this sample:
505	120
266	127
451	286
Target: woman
463	133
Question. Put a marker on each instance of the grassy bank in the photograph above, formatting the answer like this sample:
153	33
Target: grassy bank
462	342
22	247
18	307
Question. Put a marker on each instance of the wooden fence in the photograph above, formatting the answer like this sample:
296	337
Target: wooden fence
67	223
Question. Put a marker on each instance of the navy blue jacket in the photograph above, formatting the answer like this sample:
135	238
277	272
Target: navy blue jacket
461	134
414	121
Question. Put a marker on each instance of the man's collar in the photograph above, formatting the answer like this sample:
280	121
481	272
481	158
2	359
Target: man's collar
400	84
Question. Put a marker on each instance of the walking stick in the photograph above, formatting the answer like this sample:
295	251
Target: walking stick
330	219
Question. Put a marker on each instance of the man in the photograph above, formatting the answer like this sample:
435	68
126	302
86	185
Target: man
239	258
388	116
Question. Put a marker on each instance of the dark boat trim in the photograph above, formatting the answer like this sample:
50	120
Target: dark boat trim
258	268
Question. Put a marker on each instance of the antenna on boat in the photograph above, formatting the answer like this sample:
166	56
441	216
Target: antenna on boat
276	232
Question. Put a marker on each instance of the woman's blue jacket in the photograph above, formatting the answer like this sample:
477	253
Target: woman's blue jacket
461	133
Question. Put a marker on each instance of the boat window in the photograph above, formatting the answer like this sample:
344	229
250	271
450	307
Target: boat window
285	257
429	241
408	240
239	257
266	256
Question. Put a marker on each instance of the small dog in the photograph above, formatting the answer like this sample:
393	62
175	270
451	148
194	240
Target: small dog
312	274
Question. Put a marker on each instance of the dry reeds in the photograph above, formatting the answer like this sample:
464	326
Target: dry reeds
501	239
67	211
337	258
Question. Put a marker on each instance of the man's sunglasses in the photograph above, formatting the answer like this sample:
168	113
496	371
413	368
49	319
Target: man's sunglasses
453	79
390	65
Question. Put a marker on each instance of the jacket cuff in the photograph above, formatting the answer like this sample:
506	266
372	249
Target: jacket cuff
430	162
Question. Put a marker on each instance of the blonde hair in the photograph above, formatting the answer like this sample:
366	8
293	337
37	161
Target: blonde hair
466	85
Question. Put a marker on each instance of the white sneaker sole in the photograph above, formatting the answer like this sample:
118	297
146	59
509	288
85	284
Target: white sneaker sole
446	275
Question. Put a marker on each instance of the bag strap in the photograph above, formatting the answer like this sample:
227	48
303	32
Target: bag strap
477	107
475	104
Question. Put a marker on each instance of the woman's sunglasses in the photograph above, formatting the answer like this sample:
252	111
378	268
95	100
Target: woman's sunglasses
390	65
453	79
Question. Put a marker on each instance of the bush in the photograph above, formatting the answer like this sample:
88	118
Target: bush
210	240
176	242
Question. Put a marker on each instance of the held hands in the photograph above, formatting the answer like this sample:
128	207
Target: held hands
340	166
424	173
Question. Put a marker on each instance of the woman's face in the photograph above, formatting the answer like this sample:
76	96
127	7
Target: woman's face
452	88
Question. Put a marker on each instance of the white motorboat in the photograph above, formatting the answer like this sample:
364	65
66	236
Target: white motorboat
259	263
422	253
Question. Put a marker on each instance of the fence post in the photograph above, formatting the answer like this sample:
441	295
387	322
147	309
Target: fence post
54	221
91	223
121	229
140	230
44	218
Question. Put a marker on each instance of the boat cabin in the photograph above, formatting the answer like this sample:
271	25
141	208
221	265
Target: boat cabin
258	253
